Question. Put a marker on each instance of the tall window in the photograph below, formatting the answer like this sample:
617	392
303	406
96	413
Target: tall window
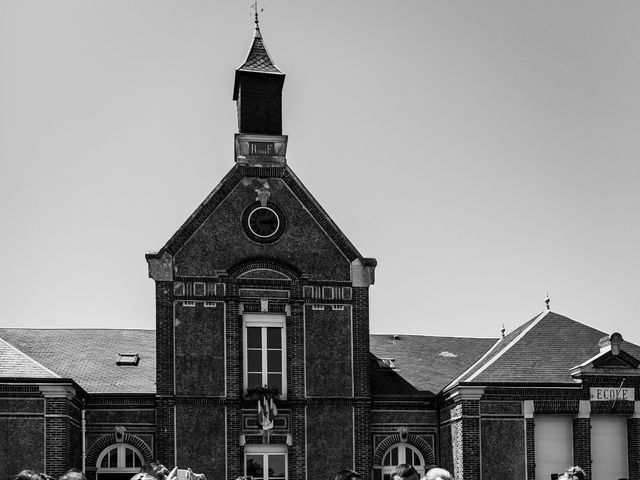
401	453
118	462
265	352
266	462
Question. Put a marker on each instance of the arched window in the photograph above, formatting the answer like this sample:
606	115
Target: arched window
118	462
401	453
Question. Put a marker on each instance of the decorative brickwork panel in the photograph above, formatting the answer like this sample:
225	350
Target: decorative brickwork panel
200	431
21	445
199	347
329	439
23	405
503	448
501	408
582	444
120	417
328	352
220	242
380	417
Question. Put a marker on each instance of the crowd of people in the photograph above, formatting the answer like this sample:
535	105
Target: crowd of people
404	471
149	471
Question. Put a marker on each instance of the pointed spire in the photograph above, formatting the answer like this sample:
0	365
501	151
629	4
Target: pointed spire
258	59
258	89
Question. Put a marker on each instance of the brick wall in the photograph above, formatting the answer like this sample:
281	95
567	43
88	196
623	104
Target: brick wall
62	416
633	429
582	444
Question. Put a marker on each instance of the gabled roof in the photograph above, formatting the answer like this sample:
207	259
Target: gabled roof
543	350
424	365
226	185
88	356
17	364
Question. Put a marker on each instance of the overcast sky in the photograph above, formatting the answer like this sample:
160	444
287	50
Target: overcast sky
485	152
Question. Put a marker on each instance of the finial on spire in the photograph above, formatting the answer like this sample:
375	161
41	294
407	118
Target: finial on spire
547	301
254	6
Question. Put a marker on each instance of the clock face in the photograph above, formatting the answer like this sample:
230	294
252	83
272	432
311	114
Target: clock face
263	222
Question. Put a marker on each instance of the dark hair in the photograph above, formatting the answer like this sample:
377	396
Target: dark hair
152	468
576	472
404	470
28	475
73	474
347	475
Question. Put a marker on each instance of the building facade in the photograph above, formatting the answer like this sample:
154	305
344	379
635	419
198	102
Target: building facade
262	362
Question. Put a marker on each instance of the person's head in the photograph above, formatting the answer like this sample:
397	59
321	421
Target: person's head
573	473
438	474
155	469
28	475
73	474
404	471
347	475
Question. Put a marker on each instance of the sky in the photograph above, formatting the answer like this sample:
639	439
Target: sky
485	152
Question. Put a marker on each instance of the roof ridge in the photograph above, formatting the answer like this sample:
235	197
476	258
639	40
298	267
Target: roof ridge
511	344
30	359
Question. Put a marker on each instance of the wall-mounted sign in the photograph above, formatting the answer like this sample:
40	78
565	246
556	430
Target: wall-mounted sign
261	148
608	394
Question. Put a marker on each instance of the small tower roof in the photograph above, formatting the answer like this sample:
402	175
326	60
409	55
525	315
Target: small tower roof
258	59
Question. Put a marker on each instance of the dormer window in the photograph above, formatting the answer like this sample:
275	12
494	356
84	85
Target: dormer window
128	359
386	362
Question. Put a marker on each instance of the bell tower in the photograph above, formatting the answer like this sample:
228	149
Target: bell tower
257	90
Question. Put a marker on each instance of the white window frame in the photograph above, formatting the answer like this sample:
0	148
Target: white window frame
266	450
388	469
265	321
121	459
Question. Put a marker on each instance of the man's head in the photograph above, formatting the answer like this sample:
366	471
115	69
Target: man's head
73	474
438	474
404	471
347	475
573	473
154	470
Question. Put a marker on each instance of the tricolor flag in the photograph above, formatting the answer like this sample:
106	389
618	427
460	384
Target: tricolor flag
266	411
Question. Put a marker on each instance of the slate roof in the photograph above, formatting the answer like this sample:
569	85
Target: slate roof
424	365
258	59
88	356
543	350
14	363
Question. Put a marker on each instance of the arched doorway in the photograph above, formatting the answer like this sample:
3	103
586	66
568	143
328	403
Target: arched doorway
401	453
118	462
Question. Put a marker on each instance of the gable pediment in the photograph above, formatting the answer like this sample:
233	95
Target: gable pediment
215	237
607	363
609	360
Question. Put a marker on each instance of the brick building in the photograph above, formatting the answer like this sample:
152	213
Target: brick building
262	300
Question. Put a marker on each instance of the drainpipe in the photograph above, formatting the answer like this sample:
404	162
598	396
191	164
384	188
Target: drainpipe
84	438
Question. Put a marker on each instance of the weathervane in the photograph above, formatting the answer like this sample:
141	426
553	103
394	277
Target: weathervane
254	5
547	301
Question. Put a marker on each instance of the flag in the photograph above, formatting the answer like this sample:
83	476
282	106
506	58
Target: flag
266	411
